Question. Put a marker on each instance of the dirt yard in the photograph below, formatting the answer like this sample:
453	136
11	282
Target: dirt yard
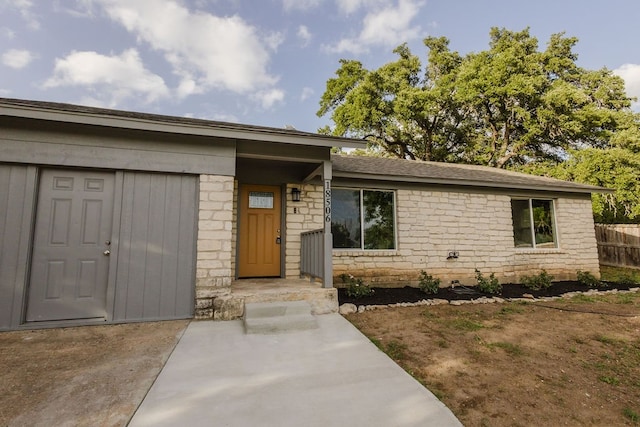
82	376
568	362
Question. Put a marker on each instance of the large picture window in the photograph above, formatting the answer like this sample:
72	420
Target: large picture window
533	223
363	219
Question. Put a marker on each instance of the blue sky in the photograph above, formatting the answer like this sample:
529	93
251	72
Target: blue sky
266	62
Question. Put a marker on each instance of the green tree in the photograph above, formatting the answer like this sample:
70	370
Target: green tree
508	105
615	168
403	111
530	105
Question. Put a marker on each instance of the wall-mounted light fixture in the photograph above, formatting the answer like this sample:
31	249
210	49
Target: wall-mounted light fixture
295	194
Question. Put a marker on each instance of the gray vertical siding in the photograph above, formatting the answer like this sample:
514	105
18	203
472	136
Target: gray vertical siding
17	195
156	247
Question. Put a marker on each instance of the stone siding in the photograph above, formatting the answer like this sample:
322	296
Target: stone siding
430	224
215	222
305	215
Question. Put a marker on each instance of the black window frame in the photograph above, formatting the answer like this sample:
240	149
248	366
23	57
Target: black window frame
361	234
530	240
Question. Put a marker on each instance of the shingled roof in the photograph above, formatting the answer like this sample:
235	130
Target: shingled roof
399	170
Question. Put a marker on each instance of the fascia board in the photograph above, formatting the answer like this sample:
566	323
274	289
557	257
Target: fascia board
230	131
471	183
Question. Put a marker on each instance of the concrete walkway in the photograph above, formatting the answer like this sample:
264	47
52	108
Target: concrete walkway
329	376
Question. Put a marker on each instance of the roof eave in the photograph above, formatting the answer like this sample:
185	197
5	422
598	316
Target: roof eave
207	129
471	183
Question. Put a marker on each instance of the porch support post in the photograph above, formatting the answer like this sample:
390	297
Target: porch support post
327	281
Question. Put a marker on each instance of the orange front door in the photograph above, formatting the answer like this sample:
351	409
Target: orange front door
259	230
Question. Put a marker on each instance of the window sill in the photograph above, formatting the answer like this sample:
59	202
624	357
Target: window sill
540	251
369	252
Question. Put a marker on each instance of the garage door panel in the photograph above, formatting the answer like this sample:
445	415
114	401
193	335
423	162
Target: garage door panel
155	276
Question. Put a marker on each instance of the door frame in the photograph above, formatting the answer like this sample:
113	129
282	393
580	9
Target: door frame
283	230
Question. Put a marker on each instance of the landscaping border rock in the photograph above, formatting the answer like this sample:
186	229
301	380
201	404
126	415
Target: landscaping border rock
349	308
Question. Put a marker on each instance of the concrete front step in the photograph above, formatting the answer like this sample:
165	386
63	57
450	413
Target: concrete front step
276	317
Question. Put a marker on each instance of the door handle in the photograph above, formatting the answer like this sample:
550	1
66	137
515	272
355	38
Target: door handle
107	252
278	240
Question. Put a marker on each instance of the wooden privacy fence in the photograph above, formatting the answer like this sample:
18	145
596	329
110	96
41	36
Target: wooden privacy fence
619	245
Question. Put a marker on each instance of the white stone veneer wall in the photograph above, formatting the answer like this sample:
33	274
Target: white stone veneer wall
479	227
215	220
305	215
429	225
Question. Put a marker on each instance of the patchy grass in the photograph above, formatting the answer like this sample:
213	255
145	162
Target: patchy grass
618	274
631	415
521	364
582	298
510	309
509	348
465	325
396	350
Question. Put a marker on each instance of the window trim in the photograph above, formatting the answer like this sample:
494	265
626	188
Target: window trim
361	190
534	246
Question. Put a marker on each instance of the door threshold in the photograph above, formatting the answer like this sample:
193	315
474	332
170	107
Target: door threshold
44	324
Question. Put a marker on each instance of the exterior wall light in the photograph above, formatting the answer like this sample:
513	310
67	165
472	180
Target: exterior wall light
295	194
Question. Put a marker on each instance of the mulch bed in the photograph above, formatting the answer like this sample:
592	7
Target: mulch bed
407	294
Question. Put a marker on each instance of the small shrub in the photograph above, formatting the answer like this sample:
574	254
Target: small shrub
490	285
537	282
356	288
586	278
626	279
428	284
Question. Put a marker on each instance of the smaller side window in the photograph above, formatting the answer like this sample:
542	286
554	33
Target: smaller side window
533	223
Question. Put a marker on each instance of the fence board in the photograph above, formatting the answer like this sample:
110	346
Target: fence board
619	245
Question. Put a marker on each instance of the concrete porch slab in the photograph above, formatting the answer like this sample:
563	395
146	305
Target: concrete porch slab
244	291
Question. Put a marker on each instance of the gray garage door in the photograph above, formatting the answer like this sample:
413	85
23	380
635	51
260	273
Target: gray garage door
91	245
156	257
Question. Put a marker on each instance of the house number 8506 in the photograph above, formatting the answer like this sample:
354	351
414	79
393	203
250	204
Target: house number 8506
327	201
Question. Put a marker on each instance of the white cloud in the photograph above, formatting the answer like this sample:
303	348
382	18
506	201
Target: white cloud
16	58
307	92
389	26
350	6
274	40
290	5
631	75
81	9
205	51
110	78
24	8
8	33
304	34
268	98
